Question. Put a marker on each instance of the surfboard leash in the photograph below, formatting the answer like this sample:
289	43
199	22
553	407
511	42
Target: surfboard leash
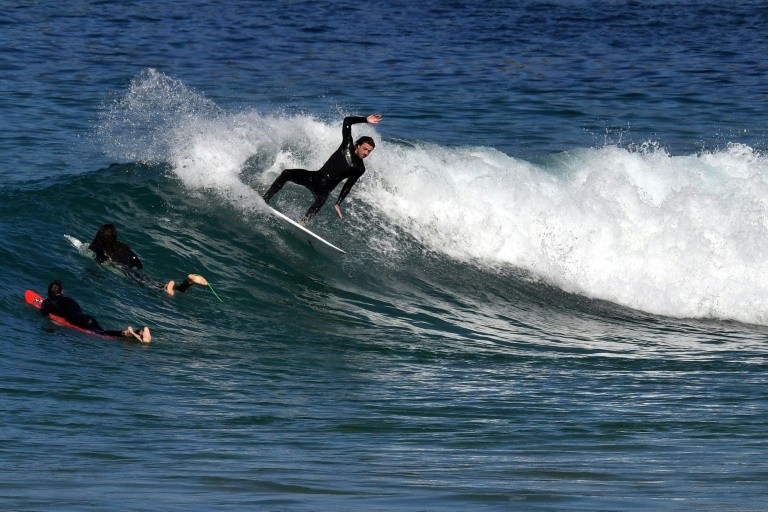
214	293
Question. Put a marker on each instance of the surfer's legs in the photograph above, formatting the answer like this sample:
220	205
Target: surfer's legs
89	323
86	322
143	335
183	287
320	200
306	179
113	334
168	287
301	177
142	278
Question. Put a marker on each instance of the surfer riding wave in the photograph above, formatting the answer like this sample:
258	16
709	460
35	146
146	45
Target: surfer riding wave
346	163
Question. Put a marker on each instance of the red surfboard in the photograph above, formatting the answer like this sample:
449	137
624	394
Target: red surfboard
36	300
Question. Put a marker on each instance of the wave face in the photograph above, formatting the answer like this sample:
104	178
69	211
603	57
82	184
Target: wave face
678	236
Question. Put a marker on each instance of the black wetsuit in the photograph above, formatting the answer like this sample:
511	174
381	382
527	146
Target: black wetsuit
70	311
343	164
118	253
122	255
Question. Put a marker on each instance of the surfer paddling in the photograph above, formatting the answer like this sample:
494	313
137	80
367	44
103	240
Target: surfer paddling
68	309
344	164
108	248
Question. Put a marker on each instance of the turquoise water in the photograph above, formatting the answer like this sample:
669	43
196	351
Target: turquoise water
553	297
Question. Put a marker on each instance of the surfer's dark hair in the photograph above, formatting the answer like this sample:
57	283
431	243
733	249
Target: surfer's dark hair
365	140
55	288
107	232
106	235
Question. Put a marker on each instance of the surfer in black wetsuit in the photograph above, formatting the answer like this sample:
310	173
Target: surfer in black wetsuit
108	248
67	308
345	163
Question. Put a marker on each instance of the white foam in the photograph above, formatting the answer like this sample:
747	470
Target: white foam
161	120
681	236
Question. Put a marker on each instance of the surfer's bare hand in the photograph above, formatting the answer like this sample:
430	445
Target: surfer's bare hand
338	210
373	118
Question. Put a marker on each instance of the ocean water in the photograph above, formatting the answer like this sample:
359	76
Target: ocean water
555	295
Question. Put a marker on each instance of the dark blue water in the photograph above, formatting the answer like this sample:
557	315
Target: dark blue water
554	294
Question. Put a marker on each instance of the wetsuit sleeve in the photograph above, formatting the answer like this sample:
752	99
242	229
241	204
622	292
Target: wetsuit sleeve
101	255
52	306
60	306
346	132
348	186
135	261
346	129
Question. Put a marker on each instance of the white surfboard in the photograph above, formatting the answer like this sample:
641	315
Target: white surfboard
315	241
77	244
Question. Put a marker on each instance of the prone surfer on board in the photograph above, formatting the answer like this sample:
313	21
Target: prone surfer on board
108	248
344	164
68	309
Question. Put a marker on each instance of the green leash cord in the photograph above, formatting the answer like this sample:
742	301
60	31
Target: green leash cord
214	292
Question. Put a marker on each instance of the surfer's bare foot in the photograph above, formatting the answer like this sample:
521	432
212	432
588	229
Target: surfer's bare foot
169	287
143	335
146	336
197	279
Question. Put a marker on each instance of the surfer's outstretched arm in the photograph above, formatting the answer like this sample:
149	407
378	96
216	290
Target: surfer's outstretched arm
344	191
